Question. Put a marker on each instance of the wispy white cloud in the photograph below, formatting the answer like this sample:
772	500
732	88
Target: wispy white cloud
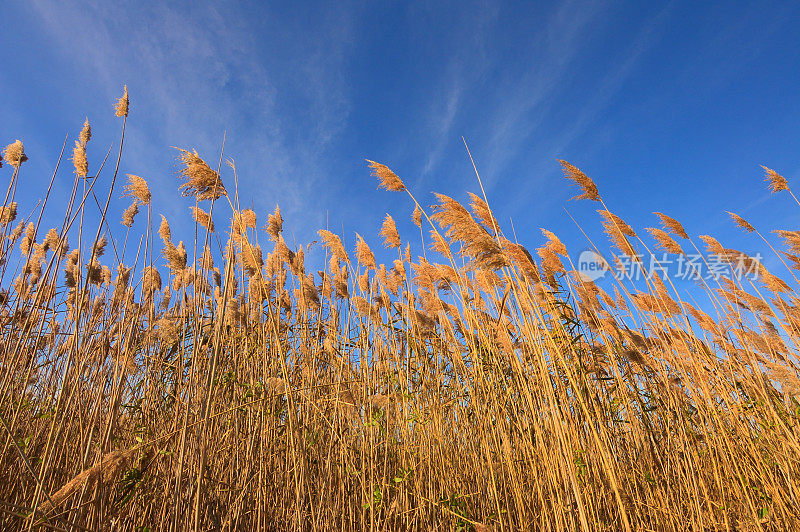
197	71
526	98
442	125
514	100
519	102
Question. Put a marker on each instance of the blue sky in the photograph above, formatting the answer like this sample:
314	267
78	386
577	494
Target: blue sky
669	106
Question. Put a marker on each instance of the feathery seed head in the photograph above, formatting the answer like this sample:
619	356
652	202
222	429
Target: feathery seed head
523	259
129	214
275	223
612	218
100	246
334	244
138	189
8	213
164	231
775	180
791	238
206	260
28	240
672	225
298	263
741	222
664	241
122	106
251	259
618	231
554	243
712	245
364	253
200	180
583	181
389	233
51	240
151	280
416	217
17	232
203	218
482	211
86	133
79	159
439	244
175	255
388	180
249	218
14	154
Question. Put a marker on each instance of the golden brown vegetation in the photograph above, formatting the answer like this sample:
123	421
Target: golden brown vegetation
224	386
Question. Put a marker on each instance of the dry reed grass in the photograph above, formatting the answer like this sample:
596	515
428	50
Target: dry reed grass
225	387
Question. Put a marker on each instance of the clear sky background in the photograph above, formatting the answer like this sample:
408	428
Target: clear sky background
669	106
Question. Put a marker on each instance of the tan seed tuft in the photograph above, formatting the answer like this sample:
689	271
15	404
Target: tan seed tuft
583	181
388	180
14	154
122	106
775	181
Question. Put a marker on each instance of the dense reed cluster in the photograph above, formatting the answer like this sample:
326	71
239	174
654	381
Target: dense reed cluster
221	385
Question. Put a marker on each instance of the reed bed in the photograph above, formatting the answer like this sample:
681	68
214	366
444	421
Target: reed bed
216	384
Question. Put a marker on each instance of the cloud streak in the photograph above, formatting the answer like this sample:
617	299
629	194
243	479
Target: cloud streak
197	72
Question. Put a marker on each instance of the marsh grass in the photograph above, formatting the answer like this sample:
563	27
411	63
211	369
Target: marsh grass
219	385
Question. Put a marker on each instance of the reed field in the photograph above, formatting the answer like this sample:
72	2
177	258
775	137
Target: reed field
220	383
